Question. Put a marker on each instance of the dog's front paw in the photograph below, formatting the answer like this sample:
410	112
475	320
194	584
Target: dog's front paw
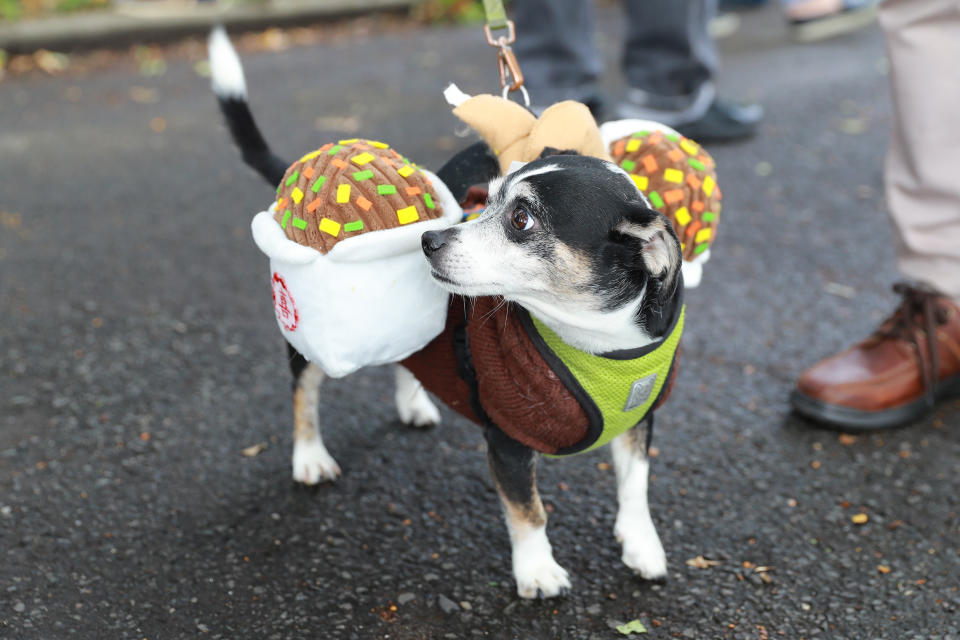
417	410
312	463
540	577
642	550
534	568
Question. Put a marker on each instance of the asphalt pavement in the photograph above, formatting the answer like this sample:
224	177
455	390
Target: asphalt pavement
139	357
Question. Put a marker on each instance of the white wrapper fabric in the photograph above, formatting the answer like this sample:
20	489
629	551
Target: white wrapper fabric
368	301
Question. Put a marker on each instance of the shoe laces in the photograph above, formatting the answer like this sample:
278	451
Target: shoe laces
918	312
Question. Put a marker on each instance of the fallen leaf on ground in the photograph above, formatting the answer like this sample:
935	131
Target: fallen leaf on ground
153	67
839	290
882	568
51	61
254	450
144	95
853	126
10	220
859	518
274	39
702	563
634	626
847	439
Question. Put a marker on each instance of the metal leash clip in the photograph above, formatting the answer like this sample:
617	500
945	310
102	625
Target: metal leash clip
511	77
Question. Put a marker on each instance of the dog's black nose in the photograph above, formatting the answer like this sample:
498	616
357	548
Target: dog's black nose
432	241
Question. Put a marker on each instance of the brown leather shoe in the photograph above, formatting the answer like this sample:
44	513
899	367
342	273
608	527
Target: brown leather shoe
897	374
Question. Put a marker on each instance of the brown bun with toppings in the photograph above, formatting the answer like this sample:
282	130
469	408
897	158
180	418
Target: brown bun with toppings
346	189
679	179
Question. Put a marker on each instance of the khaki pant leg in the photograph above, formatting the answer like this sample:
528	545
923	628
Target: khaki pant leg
923	162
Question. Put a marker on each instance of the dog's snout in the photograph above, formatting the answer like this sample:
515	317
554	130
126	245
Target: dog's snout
432	241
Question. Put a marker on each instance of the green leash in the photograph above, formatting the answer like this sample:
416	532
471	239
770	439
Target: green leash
496	14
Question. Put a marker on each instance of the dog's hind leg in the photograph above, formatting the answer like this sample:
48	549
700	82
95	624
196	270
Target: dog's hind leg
642	550
413	403
513	467
312	462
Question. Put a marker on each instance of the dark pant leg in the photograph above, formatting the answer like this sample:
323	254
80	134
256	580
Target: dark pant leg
555	48
668	51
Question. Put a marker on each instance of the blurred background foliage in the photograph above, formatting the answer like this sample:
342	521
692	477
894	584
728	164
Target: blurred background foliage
19	9
425	11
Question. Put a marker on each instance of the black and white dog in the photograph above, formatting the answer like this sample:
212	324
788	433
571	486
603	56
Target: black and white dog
568	238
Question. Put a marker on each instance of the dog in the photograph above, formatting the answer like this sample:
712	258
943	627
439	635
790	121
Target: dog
568	265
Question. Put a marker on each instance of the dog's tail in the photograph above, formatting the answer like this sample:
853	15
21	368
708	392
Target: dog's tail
228	84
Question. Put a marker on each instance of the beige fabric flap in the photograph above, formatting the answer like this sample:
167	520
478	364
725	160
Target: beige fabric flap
566	125
503	124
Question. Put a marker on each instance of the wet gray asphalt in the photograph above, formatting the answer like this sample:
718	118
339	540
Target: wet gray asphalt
139	356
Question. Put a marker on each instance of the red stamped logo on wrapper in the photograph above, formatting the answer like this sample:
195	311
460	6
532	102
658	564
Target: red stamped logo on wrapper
283	304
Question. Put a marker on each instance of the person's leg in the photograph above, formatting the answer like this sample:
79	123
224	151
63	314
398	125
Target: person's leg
555	49
669	61
913	360
668	54
922	189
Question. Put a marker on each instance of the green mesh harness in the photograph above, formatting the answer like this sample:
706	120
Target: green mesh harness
616	390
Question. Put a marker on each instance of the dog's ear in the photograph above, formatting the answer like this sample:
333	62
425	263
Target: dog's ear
655	249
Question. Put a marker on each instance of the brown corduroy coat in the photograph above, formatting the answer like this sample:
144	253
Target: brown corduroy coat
516	388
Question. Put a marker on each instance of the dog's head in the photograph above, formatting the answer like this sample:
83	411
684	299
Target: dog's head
572	239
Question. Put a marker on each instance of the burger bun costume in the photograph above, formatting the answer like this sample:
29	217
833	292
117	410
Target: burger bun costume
350	285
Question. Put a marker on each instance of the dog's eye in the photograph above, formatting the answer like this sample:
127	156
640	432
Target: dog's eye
521	220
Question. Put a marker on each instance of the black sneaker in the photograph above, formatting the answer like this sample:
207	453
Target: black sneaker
724	121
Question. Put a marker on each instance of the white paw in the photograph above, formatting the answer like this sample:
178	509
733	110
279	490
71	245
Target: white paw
642	550
417	409
534	568
312	463
542	577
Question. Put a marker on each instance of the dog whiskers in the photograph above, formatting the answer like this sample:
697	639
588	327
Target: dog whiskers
485	317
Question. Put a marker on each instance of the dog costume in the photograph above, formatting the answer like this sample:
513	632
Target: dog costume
351	287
